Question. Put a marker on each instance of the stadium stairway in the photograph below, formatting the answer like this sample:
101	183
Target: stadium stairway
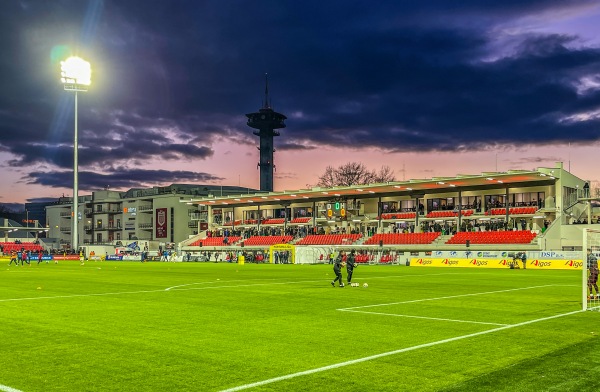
361	240
442	239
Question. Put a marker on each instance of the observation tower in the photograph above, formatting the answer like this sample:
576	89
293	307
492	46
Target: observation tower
266	122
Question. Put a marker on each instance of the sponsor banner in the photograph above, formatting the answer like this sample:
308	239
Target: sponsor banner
459	262
114	257
572	264
282	247
468	254
132	257
67	257
161	223
554	255
35	256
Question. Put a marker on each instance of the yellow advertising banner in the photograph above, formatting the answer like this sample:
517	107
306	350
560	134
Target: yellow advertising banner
494	263
286	250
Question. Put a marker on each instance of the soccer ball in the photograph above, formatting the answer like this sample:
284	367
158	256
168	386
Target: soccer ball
365	285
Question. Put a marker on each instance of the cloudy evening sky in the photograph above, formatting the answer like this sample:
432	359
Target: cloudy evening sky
432	88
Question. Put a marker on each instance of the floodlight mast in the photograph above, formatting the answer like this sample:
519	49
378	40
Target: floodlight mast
76	76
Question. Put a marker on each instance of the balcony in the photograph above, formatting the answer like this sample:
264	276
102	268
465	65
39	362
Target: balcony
199	216
109	211
145	208
104	228
65	229
145	225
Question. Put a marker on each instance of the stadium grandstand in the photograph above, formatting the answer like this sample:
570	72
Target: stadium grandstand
539	210
518	210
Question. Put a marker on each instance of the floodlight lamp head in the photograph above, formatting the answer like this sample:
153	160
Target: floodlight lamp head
76	74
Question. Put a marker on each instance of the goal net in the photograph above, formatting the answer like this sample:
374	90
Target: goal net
591	254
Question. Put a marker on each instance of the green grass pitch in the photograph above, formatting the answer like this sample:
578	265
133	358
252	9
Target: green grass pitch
124	326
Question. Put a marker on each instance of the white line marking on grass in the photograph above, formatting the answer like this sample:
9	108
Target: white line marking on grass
8	389
422	317
82	295
389	353
212	287
448	297
227	281
245	285
155	291
192	284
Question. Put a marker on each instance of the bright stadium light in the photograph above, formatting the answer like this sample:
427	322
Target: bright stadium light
76	75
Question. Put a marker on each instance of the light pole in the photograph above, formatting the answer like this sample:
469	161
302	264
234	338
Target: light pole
76	75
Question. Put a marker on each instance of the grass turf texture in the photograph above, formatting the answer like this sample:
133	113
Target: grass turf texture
120	326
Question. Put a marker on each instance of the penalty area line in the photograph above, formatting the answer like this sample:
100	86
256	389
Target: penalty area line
447	297
389	353
422	317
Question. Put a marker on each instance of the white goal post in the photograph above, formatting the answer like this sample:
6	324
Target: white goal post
589	277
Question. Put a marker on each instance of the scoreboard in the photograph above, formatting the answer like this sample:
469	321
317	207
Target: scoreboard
336	210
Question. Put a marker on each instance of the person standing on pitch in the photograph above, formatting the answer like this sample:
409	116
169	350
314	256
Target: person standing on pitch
524	259
13	257
592	266
350	265
337	269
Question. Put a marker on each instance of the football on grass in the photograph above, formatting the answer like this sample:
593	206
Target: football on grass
365	285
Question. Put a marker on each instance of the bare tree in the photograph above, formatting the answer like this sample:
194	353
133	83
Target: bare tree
328	178
354	173
385	174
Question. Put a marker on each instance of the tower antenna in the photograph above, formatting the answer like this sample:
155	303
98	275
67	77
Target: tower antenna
267	104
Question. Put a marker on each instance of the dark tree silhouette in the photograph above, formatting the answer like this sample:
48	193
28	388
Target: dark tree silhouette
354	173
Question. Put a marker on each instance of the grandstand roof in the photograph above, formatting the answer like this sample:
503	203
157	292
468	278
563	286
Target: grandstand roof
414	188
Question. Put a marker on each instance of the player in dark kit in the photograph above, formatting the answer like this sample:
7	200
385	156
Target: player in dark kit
337	269
592	266
350	265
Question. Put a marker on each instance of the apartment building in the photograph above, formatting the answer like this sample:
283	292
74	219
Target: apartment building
151	214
